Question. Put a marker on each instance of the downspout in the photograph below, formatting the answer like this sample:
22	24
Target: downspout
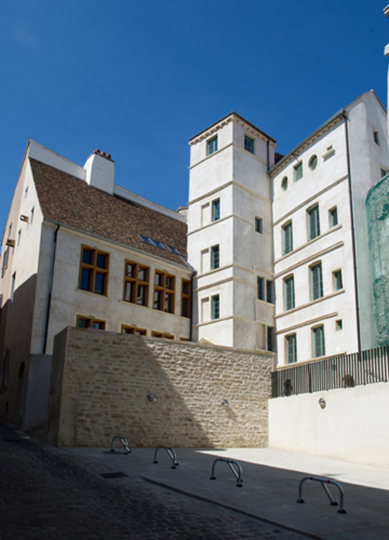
344	114
51	291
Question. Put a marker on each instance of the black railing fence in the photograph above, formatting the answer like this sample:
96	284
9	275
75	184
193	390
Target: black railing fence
344	371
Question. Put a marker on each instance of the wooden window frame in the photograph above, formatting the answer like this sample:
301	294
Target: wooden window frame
186	299
164	292
161	335
133	330
136	283
94	270
90	321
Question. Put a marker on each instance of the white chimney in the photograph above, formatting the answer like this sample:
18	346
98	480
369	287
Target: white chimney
100	171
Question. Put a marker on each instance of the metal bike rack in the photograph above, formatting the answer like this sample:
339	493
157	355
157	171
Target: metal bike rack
124	442
171	453
237	472
323	482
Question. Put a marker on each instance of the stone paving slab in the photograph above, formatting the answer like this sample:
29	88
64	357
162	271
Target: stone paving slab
270	487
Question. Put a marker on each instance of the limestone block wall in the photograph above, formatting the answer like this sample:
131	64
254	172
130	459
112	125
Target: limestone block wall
101	383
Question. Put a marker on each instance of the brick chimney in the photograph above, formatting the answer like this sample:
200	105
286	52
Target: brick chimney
100	171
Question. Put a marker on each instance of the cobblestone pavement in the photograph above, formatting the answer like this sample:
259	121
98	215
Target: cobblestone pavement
47	495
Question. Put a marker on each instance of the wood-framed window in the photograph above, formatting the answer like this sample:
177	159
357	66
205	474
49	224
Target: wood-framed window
94	271
89	322
186	298
133	330
164	285
136	283
162	335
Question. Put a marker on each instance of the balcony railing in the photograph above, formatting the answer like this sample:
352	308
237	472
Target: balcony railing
344	371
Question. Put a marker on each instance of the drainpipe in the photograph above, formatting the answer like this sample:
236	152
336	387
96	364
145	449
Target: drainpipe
344	114
51	291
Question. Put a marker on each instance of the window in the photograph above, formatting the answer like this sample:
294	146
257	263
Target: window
88	322
259	225
318	342
269	291
289	293
216	210
19	237
164	292
185	298
215	307
94	271
338	282
249	144
215	257
4	265
211	146
298	171
287	238
316	281
13	280
384	172
312	163
291	349
136	283
375	136
260	288
284	183
339	324
313	222
270	338
32	215
333	213
133	330
4	370
161	335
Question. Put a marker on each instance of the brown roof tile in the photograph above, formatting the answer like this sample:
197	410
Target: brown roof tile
70	201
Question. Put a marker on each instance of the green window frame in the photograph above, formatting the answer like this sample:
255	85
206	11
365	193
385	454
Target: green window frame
313	223
269	291
287	238
316	281
338	281
291	349
333	217
260	288
259	225
318	342
298	171
215	257
212	146
215	304
216	210
249	144
289	293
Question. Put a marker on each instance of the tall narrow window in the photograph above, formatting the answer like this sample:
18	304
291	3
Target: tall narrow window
249	144
291	349
211	146
185	298
94	271
216	210
12	291
338	281
318	342
298	171
269	291
164	292
4	265
19	237
270	338
216	307
32	215
333	216
259	225
376	138
316	281
260	288
215	257
313	223
287	238
136	283
289	293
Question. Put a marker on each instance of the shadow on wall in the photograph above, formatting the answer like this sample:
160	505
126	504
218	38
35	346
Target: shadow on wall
15	337
155	392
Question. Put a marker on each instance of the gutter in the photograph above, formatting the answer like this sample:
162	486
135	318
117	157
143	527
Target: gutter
344	115
51	291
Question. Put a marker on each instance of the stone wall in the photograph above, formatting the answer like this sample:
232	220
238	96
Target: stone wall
101	383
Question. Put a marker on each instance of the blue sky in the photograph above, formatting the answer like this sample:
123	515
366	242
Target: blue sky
138	79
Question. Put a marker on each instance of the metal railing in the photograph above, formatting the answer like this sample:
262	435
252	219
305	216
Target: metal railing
344	371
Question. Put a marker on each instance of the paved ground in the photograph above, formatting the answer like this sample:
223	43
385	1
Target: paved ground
50	494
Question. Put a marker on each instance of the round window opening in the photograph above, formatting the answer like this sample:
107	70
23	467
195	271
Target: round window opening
313	163
284	183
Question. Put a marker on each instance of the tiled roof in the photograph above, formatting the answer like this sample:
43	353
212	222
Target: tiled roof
70	201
